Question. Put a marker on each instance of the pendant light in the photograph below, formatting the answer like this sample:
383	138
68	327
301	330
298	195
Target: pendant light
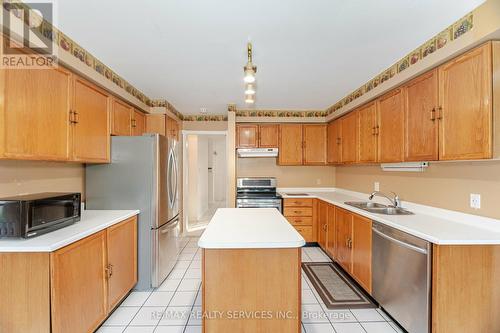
249	70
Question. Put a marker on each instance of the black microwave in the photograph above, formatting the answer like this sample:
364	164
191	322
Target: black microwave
32	215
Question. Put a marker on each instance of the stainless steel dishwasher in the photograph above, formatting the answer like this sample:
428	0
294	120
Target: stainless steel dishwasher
401	265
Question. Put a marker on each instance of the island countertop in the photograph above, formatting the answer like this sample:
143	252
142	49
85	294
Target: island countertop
249	228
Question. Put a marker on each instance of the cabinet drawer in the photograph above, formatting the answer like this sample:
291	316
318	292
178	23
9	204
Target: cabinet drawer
298	202
300	220
298	211
306	232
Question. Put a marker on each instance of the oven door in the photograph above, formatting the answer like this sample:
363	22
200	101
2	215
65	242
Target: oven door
47	212
259	203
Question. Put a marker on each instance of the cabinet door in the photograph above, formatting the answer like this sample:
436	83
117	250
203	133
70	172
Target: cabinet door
465	94
91	125
334	147
156	123
314	144
322	223
390	128
367	118
343	221
362	251
268	136
35	120
121	118
172	129
421	125
138	123
78	285
290	144
331	232
122	260
349	141
247	136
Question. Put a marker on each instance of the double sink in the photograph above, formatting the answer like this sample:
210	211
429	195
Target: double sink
377	208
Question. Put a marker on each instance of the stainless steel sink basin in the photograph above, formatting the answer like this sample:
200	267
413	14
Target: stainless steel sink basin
376	208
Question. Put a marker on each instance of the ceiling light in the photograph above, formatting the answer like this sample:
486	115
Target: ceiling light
249	69
250	90
249	75
249	99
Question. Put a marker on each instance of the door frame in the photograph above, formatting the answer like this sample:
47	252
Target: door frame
185	180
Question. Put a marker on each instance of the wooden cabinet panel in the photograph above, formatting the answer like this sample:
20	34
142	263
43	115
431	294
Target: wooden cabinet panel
367	122
138	123
362	251
172	129
331	232
390	128
290	144
268	136
314	144
306	232
79	286
465	113
350	138
247	136
90	122
322	223
121	117
156	123
334	146
298	211
300	220
35	120
298	202
421	125
122	259
344	221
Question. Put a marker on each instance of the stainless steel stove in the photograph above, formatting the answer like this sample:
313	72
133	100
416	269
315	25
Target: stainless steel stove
258	192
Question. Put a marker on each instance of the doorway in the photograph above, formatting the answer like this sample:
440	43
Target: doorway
205	177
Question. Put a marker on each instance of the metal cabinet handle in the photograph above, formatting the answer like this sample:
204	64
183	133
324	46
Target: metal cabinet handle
325	227
433	114
440	113
76	118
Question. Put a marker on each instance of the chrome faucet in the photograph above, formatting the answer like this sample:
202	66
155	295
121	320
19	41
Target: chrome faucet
394	200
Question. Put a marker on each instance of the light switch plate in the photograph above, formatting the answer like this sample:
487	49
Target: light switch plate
475	201
376	186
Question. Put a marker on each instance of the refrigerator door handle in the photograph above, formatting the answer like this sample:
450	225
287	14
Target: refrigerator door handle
176	178
171	163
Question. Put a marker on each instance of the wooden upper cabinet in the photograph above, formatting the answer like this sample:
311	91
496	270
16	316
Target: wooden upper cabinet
79	286
421	125
331	233
122	259
156	123
247	136
268	136
90	122
138	123
367	122
362	251
121	118
334	146
350	138
314	144
290	144
35	119
465	113
390	127
343	221
322	223
172	129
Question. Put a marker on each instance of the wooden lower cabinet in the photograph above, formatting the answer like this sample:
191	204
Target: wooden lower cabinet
322	223
331	242
301	213
362	251
343	220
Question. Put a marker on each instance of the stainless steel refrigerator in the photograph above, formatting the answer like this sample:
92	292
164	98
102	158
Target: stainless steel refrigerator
143	174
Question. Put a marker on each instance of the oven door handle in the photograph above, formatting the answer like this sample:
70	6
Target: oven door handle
258	206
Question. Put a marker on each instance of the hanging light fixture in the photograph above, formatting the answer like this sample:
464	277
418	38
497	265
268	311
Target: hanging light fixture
249	99
249	89
250	69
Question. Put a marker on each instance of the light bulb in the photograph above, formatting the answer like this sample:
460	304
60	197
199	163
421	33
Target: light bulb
249	99
250	90
249	78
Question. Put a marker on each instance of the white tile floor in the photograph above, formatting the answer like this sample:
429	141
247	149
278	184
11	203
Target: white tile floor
175	306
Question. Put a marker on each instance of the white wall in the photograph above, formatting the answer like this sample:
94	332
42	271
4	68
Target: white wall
192	142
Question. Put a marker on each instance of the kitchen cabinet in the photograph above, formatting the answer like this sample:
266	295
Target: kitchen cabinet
362	251
121	118
138	123
334	142
314	137
301	213
350	137
344	220
156	123
331	243
35	118
322	223
172	129
465	106
79	285
390	127
247	136
290	144
268	136
90	123
421	125
367	131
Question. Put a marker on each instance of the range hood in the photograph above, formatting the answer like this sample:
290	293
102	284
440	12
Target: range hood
257	152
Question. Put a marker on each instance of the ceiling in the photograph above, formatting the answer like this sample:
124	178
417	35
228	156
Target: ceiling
309	53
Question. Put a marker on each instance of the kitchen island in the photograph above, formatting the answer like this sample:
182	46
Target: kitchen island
251	275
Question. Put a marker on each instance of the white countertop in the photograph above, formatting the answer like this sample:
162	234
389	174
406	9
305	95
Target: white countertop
91	221
249	228
439	226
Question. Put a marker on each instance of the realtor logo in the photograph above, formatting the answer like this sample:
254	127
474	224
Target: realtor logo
27	41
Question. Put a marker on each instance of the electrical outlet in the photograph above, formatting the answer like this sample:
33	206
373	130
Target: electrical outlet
376	186
475	201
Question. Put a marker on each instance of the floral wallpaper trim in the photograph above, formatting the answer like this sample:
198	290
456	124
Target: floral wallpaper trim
281	113
205	117
442	39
